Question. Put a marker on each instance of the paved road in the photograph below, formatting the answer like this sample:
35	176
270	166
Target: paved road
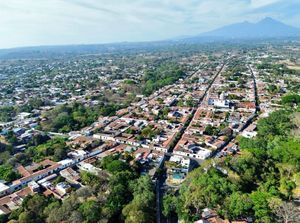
160	183
250	120
161	179
255	90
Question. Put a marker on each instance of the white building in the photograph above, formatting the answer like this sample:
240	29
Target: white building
88	167
4	189
184	162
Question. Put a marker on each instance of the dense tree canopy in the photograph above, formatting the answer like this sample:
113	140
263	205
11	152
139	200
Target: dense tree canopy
165	74
141	208
267	170
291	99
7	173
54	149
6	113
75	116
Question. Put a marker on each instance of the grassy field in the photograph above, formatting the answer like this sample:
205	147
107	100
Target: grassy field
294	67
291	65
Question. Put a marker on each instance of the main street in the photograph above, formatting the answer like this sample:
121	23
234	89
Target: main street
161	178
161	187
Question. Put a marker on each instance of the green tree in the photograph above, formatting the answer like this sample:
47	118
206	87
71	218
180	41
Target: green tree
238	205
277	124
35	204
107	160
7	173
120	193
262	211
117	166
27	217
204	190
90	179
141	208
90	211
211	130
169	205
290	99
54	149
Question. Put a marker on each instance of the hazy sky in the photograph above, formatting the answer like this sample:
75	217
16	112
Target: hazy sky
50	22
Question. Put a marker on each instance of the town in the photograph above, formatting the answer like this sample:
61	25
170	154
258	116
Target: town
64	122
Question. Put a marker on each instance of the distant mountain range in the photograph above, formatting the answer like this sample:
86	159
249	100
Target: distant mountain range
266	28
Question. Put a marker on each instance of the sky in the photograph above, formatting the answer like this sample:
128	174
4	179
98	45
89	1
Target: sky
58	22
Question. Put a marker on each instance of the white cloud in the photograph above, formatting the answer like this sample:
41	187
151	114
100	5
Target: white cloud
36	22
262	3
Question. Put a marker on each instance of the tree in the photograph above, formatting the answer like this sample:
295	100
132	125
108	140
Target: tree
60	153
3	218
290	99
118	197
136	212
90	210
117	166
204	190
285	212
35	204
285	151
54	149
120	193
6	113
248	168
107	160
38	139
164	74
262	211
22	158
63	212
11	138
141	208
273	88
149	132
169	205
7	173
238	205
27	217
51	206
211	130
286	187
277	124
76	217
89	179
74	116
2	146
